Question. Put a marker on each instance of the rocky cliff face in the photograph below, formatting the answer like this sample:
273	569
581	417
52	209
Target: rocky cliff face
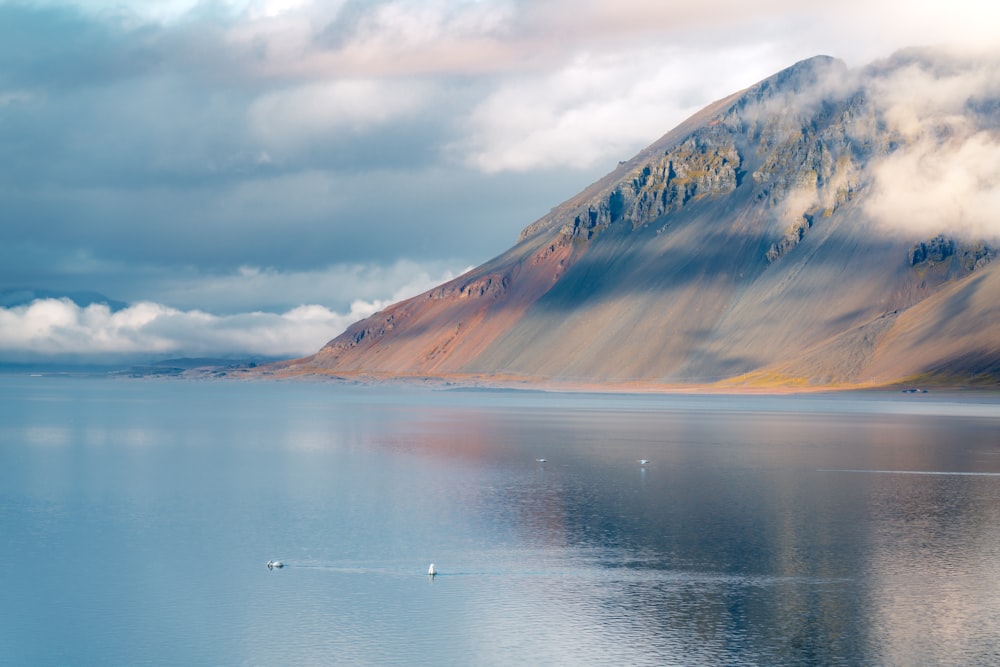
741	246
789	139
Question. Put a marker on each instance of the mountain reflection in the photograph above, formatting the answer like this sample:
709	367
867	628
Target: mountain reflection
748	534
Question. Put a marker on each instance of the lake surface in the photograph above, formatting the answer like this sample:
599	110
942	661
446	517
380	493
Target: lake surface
137	516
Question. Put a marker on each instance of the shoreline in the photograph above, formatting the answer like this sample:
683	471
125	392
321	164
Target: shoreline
506	382
523	383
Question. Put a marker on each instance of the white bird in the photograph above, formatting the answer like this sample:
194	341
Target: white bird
541	460
271	564
431	571
643	462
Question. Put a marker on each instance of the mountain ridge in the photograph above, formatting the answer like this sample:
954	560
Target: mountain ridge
738	247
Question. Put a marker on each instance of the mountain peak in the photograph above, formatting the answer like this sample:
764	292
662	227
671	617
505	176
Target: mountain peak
804	74
759	130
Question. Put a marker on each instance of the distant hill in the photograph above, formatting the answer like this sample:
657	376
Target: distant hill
195	367
11	298
755	244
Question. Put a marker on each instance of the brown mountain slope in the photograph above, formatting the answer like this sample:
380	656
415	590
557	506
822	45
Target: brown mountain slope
951	336
738	248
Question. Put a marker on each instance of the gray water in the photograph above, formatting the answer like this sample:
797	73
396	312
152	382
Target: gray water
136	518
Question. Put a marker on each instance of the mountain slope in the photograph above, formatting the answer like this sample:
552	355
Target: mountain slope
742	246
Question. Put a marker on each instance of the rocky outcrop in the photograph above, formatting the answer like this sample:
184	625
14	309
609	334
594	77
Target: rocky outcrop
492	286
963	256
793	235
936	249
706	164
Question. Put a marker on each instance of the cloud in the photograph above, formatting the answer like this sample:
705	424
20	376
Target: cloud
393	38
928	91
945	176
576	116
306	114
59	328
319	237
336	286
933	187
495	37
299	40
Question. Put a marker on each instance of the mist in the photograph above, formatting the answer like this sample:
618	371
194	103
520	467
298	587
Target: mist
943	110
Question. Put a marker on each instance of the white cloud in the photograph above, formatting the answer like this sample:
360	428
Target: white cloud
941	187
931	94
599	108
269	9
302	115
61	328
412	25
945	178
434	37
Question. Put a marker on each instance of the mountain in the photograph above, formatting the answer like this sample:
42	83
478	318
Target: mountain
809	230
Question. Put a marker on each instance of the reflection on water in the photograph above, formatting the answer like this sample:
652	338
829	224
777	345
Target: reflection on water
802	530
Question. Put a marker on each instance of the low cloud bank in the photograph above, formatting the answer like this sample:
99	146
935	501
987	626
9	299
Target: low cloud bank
58	328
931	188
945	177
211	317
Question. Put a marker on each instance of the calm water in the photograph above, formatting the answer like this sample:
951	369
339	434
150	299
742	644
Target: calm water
136	518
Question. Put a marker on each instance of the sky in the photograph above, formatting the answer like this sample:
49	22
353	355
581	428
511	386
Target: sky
251	176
